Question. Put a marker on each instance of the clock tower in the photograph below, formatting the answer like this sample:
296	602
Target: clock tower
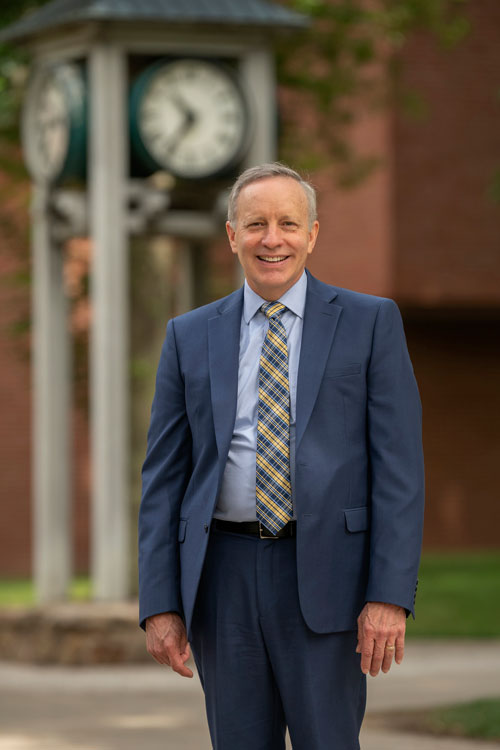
121	91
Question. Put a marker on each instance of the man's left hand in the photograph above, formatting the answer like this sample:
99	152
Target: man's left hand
381	636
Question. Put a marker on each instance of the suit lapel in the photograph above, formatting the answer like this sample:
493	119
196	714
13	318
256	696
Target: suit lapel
320	322
223	360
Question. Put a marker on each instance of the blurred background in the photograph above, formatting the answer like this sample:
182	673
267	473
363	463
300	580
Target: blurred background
392	109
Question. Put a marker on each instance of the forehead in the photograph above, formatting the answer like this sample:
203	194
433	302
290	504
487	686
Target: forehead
272	194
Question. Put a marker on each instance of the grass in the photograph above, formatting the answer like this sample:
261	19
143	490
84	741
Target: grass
477	719
458	596
21	592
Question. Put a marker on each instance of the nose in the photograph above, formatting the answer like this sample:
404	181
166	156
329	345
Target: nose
272	237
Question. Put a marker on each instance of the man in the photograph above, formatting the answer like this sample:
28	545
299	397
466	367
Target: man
281	519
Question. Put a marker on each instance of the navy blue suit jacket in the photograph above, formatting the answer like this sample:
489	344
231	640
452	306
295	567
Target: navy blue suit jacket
359	467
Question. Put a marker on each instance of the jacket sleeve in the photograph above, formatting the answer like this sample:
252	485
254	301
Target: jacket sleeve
165	475
396	464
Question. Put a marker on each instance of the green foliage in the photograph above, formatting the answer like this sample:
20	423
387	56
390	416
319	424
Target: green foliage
494	187
11	10
345	63
13	68
13	72
480	718
458	596
442	18
141	368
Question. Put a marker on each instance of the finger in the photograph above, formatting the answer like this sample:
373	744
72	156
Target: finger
177	664
178	658
389	651
360	636
164	652
156	651
400	650
186	653
160	656
377	658
367	645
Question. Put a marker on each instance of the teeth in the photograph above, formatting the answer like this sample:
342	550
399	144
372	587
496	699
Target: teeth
273	258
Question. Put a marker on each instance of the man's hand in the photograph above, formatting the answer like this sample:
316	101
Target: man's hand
381	635
166	641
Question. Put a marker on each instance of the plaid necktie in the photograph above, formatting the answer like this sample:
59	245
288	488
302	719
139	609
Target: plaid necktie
274	498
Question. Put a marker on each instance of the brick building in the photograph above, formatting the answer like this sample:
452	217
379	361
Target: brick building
424	229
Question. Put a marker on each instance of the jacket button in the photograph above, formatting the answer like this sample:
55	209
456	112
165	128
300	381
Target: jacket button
206	528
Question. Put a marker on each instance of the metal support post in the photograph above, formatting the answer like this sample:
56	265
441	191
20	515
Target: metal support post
51	412
109	344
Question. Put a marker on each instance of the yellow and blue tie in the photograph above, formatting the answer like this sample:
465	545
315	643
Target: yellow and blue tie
274	496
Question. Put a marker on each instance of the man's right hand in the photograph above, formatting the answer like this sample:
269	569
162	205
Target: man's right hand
166	641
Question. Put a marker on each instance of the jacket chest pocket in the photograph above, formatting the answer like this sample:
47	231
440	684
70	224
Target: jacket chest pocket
343	371
342	397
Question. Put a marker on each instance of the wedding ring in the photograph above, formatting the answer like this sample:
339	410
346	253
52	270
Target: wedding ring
390	648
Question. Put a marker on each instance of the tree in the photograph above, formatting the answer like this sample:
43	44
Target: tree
13	68
349	60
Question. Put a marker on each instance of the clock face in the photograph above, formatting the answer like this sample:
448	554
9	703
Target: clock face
53	111
192	118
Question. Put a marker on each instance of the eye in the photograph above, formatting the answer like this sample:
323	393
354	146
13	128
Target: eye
289	224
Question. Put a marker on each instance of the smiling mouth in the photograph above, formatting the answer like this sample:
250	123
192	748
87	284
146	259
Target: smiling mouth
272	258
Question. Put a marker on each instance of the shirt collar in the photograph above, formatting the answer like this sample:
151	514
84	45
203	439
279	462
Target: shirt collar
294	299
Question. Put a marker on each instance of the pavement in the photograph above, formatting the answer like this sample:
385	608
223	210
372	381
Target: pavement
147	707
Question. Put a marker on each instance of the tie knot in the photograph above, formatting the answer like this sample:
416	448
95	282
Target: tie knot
273	310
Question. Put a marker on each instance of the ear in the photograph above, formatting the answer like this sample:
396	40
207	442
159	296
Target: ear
313	234
231	233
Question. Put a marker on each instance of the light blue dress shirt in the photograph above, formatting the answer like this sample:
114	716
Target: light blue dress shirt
237	498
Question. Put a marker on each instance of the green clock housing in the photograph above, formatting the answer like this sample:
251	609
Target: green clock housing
188	117
54	124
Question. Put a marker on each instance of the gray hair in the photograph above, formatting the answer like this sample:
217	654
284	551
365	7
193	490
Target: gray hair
274	169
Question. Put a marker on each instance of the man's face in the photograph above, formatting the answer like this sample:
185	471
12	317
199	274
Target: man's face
272	238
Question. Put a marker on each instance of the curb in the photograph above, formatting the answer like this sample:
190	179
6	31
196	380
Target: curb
73	634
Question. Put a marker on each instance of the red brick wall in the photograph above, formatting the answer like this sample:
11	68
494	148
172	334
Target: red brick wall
15	396
458	370
15	404
355	244
447	230
446	236
424	231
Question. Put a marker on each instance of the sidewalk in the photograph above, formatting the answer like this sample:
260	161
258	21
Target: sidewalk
433	673
148	707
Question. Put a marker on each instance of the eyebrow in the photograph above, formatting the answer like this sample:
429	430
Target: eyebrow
286	217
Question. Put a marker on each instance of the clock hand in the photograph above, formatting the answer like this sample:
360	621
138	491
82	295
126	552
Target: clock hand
181	104
185	126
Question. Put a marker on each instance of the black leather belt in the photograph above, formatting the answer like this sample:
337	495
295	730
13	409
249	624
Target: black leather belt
255	528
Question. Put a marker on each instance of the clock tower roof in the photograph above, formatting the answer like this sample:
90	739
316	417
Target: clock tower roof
59	13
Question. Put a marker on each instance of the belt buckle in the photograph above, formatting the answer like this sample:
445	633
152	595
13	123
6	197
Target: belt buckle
268	535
